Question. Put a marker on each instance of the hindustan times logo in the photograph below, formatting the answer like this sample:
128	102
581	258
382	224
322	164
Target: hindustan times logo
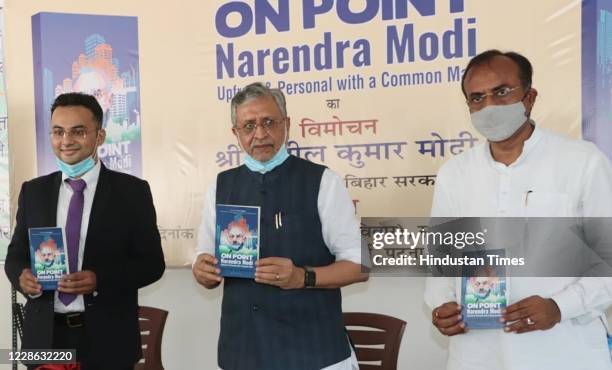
411	239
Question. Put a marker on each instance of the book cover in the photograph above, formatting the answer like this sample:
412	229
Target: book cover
237	240
48	255
484	292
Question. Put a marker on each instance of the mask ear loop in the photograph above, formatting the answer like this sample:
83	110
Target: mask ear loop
94	154
286	133
527	114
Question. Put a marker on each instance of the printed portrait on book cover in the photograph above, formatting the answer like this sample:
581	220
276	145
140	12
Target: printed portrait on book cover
237	237
486	286
48	257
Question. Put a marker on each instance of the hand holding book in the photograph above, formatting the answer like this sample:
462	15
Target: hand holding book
206	272
280	272
29	284
447	318
532	313
80	282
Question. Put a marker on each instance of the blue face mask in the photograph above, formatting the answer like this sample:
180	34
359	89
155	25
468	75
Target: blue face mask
77	169
263	167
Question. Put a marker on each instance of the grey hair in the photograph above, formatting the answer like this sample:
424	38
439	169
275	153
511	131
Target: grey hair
257	90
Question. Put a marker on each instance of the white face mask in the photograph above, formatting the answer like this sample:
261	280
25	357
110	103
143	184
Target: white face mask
499	122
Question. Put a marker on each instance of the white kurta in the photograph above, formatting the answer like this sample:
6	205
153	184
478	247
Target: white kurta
563	178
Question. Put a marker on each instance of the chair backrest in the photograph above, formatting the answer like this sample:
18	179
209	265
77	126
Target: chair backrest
376	338
152	322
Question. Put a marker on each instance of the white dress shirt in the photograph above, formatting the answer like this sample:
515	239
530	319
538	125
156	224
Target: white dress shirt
339	226
561	177
63	202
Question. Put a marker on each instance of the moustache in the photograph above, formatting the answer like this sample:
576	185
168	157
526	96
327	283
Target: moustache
254	144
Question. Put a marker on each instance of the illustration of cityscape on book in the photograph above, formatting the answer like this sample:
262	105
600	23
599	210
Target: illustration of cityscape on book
48	255
483	292
96	55
237	240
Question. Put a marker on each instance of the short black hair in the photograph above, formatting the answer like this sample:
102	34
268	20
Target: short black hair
74	99
524	65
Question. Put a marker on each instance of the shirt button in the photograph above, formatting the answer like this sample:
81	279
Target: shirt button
255	307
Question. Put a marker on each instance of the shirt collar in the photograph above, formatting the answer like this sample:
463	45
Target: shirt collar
90	177
528	146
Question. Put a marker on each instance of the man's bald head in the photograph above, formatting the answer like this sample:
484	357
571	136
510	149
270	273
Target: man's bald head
523	68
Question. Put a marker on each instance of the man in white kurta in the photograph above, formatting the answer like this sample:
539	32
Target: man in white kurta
524	171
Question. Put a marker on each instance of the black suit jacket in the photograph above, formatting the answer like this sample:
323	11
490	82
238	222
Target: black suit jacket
122	247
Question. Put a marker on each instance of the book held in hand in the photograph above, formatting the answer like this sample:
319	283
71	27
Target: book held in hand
483	292
48	255
237	240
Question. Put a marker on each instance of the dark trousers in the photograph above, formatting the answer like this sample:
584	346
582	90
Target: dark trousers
65	337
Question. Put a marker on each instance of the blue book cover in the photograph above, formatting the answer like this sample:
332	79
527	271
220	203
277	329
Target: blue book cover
48	255
483	293
237	240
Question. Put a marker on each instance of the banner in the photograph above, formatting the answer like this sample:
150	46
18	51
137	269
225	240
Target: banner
597	73
97	55
373	87
5	203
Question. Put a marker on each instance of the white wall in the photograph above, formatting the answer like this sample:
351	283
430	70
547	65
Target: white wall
5	315
190	338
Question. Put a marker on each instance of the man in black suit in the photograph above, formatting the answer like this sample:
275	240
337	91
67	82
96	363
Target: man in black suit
112	239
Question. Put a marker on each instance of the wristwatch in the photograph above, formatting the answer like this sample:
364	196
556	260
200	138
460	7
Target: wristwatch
310	277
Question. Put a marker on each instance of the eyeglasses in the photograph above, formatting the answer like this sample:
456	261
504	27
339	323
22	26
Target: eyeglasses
77	133
498	95
267	124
